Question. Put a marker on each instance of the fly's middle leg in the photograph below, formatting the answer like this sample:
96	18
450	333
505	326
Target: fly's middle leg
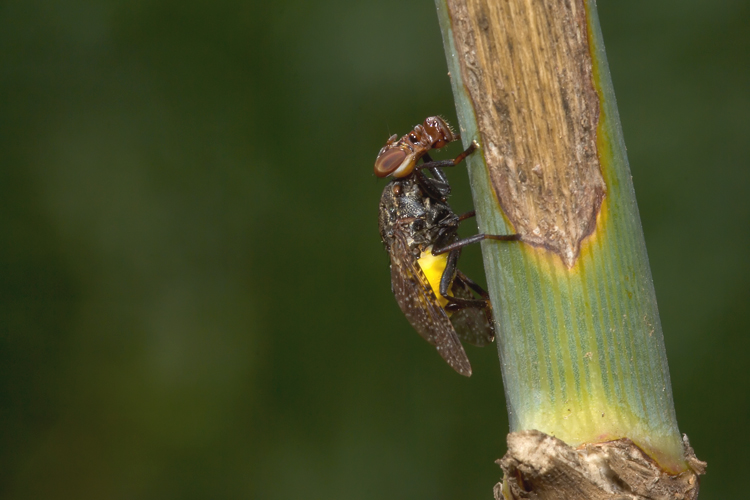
448	163
475	239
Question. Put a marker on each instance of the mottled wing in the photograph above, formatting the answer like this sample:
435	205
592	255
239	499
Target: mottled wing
473	324
418	303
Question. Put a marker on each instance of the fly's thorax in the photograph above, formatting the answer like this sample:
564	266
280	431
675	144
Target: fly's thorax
402	198
439	213
421	219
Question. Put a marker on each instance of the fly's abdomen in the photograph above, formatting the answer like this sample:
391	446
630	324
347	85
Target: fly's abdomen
433	267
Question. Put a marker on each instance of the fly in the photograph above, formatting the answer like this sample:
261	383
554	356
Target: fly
420	231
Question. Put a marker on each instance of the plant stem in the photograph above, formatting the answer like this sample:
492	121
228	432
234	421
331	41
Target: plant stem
580	341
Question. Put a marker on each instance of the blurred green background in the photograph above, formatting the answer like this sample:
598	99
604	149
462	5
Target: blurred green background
194	299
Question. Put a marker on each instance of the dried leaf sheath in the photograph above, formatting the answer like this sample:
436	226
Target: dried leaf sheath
537	111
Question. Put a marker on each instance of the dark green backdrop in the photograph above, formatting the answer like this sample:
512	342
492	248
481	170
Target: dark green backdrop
194	299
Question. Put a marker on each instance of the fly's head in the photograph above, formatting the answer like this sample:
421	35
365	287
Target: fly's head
399	157
438	132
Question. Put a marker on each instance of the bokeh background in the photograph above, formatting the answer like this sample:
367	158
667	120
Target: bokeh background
194	299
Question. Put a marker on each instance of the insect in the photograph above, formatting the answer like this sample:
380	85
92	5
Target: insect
420	232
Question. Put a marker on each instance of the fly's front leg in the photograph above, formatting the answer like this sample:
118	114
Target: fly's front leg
449	163
436	172
439	181
467	215
434	188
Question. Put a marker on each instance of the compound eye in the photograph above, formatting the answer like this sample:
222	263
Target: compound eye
413	138
389	161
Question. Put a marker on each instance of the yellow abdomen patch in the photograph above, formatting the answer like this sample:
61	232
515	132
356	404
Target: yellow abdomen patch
433	267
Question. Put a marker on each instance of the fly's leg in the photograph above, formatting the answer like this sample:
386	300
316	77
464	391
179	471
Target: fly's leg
483	303
433	188
446	280
474	325
467	215
439	181
471	284
436	172
437	186
448	163
474	239
451	273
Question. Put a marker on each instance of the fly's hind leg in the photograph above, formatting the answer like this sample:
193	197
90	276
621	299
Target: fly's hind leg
463	282
450	274
473	325
471	284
